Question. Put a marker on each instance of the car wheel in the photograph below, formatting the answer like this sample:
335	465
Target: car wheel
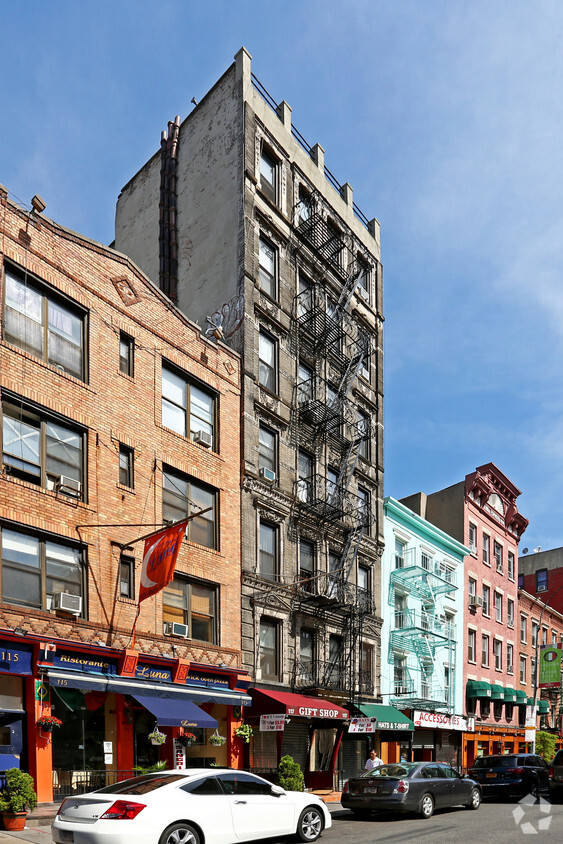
426	806
180	833
474	799
310	824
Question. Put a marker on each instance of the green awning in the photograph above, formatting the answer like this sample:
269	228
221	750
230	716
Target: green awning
497	692
521	697
478	688
510	695
530	701
387	717
543	707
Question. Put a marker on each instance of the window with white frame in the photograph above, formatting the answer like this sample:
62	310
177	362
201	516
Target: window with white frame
535	630
267	449
268	551
267	362
484	650
498	606
269	649
400	547
486	600
268	174
187	408
510	565
472	587
510	659
522	669
497	550
267	261
523	629
193	603
486	549
471	646
472	538
497	648
510	612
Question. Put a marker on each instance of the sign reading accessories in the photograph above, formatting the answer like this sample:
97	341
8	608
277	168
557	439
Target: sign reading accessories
441	721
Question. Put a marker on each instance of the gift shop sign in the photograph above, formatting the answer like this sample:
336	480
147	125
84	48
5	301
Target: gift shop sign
441	721
272	723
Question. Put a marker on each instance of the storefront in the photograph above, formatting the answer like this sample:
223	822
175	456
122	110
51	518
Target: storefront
383	728
308	729
80	718
438	737
499	714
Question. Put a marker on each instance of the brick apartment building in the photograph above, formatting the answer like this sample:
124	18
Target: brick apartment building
481	513
116	416
244	226
539	626
540	573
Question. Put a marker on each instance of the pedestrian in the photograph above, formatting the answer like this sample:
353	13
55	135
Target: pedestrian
373	761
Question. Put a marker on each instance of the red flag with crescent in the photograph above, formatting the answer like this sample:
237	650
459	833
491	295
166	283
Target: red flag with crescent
159	559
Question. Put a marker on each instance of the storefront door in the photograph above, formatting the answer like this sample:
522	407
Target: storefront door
11	722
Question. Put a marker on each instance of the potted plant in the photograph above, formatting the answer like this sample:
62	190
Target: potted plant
186	739
245	732
16	798
290	776
217	739
156	737
48	723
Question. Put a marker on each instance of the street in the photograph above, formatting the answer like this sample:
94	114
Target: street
494	822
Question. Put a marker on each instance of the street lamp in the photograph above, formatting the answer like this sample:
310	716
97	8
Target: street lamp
536	667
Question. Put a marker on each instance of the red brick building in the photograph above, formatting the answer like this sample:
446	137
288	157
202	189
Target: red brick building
117	415
539	626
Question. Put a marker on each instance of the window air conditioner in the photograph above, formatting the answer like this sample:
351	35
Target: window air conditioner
362	293
68	486
203	438
472	548
174	629
475	601
267	475
401	690
68	603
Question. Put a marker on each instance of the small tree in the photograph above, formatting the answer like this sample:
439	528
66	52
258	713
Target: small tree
545	744
290	775
18	794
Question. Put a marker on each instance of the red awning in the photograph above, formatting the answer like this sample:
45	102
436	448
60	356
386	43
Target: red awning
298	706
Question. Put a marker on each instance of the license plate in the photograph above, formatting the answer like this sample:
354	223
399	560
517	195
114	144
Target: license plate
371	790
492	776
65	836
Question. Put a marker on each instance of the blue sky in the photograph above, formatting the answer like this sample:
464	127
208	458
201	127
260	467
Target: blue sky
445	116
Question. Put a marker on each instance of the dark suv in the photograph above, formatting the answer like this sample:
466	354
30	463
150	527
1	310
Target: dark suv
556	777
518	773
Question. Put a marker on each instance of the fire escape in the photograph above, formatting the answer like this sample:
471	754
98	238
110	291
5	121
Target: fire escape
327	421
422	631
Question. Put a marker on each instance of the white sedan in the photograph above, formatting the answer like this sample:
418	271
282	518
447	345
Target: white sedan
195	806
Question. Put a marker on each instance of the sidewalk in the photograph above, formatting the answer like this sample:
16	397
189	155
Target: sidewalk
38	829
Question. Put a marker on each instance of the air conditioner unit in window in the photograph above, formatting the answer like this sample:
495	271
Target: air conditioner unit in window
401	690
68	486
475	601
472	548
363	293
203	438
172	628
67	602
267	475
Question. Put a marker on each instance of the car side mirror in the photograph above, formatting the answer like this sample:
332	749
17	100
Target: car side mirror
277	791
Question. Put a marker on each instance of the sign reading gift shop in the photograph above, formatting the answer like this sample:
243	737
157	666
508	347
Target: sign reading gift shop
363	725
441	721
272	723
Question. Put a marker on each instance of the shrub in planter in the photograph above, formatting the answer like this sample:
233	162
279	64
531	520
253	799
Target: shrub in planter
290	776
17	797
244	732
156	737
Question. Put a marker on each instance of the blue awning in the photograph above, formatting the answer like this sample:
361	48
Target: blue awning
176	713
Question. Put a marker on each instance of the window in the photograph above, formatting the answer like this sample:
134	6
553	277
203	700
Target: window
400	675
484	651
471	655
307	553
267	260
193	603
267	449
364	506
553	638
268	556
510	612
472	587
497	648
306	655
486	600
304	298
268	172
42	450
400	610
510	659
304	383
268	657
332	489
535	629
522	669
510	565
44	324
364	347
304	205
126	466
544	637
126	354
333	246
497	550
366	668
363	284
541	580
267	362
498	606
187	409
35	569
473	537
364	434
399	554
336	660
523	632
486	548
127	576
182	496
305	476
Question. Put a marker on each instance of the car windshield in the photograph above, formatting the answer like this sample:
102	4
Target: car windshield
495	762
140	785
392	770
